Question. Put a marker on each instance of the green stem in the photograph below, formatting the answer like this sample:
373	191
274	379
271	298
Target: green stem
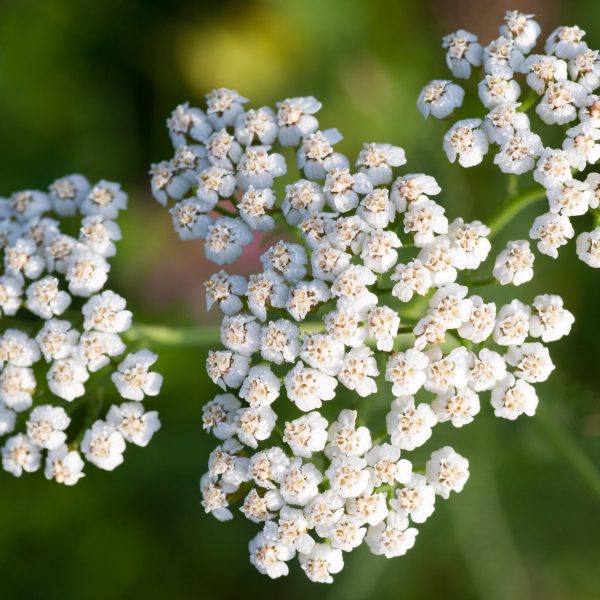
570	450
174	336
514	207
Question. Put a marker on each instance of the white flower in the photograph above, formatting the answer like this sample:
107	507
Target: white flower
18	349
449	305
521	28
392	537
487	370
305	296
552	231
439	98
295	119
105	199
501	57
377	160
253	425
99	235
370	507
324	510
585	69
185	121
412	278
409	188
269	554
321	562
103	446
409	426
27	205
518	152
480	324
302	198
268	467
106	312
66	378
458	406
258	126
218	415
532	362
308	388
225	463
588	247
328	262
512	324
86	273
17	385
572	198
467	142
20	258
357	372
259	168
45	299
589	113
348	233
553	168
406	371
259	508
10	295
301	482
292	530
447	471
376	208
549	319
498	88
383	324
133	379
46	426
514	264
225	290
504	121
345	439
20	455
323	352
225	239
581	145
447	372
214	497
513	397
8	420
463	52
566	42
189	220
351	288
279	342
424	218
133	423
285	259
468	243
348	476
261	387
306	434
223	106
254	208
416	499
341	188
241	334
67	193
264	289
387	466
560	102
316	155
166	183
96	348
438	259
64	466
347	533
378	253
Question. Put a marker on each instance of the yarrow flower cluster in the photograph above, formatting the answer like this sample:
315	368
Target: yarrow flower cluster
562	83
322	334
60	340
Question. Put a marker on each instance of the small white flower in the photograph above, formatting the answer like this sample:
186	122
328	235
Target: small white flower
292	530
18	349
581	145
341	188
308	388
218	415
259	508
532	362
185	121
512	324
566	42
504	121
301	482
96	349
86	273
225	290
552	231
241	334
458	406
10	295
347	534
316	155
67	193
133	423
323	352
214	497
351	288
444	373
302	198
379	254
518	152
425	218
46	426
469	244
285	259
416	499
256	126
321	563
64	466
225	239
254	208
553	168
439	98
269	554
560	102
268	467
8	420
501	57
589	113
572	198
263	290
305	296
328	262
514	264
466	141
487	370
348	476
345	439
17	385
498	88
28	204
588	247
106	312
306	434
447	471
99	235
103	446
513	397
279	342
295	119
412	278
521	28
408	188
20	455
387	466
21	258
392	537
406	372
223	107
259	168
105	199
409	426
549	319
480	324
133	379
377	160
66	378
463	52
377	209
261	387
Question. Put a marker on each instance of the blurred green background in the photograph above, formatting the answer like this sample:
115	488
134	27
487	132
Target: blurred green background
85	86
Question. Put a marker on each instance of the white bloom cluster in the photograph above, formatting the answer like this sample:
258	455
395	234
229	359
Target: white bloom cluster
59	323
330	312
562	83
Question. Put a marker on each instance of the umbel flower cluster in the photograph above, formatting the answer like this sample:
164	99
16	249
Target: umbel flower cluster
561	83
60	335
358	337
